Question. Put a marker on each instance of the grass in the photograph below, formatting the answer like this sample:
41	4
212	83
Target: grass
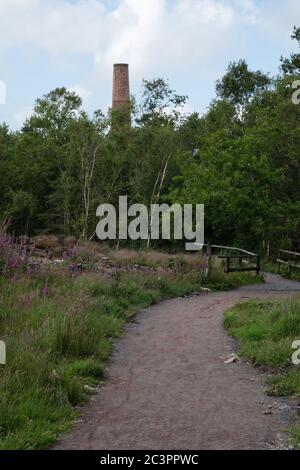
59	339
272	267
266	332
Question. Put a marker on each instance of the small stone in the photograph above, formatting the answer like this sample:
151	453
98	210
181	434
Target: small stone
89	389
283	407
232	358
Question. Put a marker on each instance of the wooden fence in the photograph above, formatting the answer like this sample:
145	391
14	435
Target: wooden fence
288	259
243	257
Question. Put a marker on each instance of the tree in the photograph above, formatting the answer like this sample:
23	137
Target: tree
291	65
86	140
159	103
240	84
6	145
240	159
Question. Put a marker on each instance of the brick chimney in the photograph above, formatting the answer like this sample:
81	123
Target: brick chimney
121	93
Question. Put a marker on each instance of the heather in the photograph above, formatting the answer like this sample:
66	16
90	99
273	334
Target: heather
59	320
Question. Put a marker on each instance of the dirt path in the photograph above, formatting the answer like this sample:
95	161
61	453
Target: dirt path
168	386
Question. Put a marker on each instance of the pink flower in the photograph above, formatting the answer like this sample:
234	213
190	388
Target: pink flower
46	290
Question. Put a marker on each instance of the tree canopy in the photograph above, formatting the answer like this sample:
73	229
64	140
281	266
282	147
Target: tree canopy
240	159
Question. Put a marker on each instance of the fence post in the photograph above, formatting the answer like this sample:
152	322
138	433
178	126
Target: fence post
258	265
228	265
208	260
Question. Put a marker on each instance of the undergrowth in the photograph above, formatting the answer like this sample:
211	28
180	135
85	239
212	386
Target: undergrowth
266	332
58	338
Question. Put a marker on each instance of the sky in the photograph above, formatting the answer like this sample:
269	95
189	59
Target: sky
46	44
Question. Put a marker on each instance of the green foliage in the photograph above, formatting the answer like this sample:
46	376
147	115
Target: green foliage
291	65
247	166
57	344
158	99
240	84
240	159
265	332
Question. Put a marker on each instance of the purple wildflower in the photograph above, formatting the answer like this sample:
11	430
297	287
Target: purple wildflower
46	290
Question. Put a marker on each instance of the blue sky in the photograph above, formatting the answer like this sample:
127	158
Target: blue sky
49	43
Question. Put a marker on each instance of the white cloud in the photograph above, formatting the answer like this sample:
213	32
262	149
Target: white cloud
147	33
136	31
134	27
84	93
249	11
59	27
279	19
189	41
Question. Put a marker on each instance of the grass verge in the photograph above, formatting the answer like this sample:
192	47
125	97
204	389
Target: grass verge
266	332
272	267
58	338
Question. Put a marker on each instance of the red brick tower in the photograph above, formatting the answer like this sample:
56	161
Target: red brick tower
121	92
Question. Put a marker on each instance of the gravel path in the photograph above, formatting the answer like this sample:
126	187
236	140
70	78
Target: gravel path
168	386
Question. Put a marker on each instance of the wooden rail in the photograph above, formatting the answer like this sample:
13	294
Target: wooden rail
292	256
243	256
232	248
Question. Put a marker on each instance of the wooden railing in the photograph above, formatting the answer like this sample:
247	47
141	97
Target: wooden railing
290	259
242	256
